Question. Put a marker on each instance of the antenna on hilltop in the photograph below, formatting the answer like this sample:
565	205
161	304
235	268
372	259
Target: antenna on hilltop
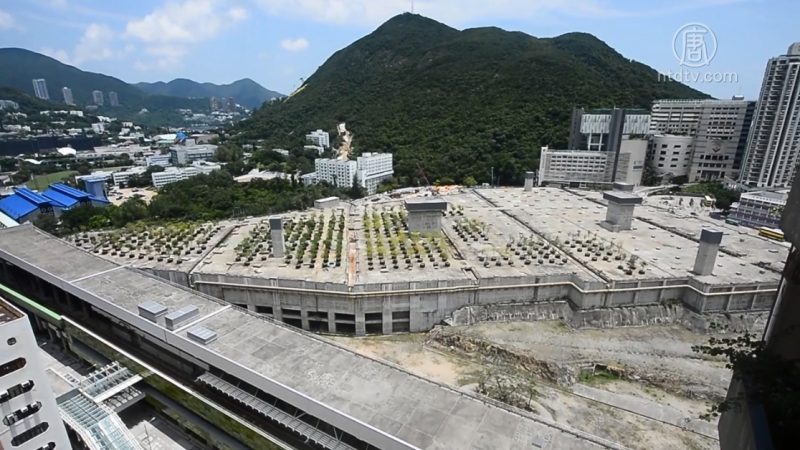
412	6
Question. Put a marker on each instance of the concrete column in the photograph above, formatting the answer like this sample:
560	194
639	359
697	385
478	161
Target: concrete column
619	213
276	232
304	317
707	252
529	181
387	315
331	321
358	313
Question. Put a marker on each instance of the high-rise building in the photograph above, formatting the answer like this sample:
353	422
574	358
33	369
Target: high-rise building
369	170
31	419
773	147
67	92
718	130
319	138
591	130
40	88
113	99
97	98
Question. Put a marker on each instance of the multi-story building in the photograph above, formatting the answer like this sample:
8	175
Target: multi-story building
121	178
336	172
773	147
590	167
592	130
8	104
67	93
374	168
97	98
113	99
40	88
157	160
370	169
320	138
718	129
31	420
173	174
186	154
760	208
672	155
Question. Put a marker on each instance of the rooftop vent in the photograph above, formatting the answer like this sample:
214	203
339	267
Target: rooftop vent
175	318
202	335
152	311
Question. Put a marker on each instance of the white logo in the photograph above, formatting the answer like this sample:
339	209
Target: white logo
694	45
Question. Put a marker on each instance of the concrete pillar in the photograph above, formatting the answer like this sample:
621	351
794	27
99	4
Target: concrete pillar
619	213
387	315
276	232
529	181
304	318
331	321
707	252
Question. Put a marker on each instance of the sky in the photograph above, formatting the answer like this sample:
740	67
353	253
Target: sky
278	43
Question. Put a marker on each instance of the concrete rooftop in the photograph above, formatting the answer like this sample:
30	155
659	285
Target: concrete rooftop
414	410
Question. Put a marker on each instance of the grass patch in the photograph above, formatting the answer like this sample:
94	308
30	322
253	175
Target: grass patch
40	182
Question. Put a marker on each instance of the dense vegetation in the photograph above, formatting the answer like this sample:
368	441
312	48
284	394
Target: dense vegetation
452	104
245	92
204	197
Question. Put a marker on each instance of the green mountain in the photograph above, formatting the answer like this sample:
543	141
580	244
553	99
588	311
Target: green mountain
28	65
452	104
29	104
245	92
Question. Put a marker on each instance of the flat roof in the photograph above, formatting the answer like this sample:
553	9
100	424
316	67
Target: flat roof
419	412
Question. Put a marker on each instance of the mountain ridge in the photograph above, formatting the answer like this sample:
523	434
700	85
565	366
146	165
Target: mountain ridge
245	91
454	104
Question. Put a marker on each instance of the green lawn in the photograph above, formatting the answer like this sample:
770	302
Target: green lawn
40	182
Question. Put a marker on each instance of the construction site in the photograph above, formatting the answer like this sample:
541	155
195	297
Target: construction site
383	265
534	316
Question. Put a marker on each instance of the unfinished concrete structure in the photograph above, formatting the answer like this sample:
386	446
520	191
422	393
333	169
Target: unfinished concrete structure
276	233
529	177
494	246
619	213
707	251
425	215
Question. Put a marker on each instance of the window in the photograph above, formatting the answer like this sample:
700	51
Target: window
15	391
12	366
11	341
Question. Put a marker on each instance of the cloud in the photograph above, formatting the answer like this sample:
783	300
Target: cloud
96	44
371	12
295	45
171	29
6	21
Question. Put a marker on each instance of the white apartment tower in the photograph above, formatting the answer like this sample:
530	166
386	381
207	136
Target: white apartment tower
67	93
319	138
40	88
97	98
113	99
773	148
30	416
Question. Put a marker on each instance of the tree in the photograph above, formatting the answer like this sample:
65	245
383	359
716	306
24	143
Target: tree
356	191
470	181
46	222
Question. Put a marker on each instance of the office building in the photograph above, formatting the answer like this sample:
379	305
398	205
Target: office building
760	208
319	138
97	98
672	155
186	154
122	177
370	169
67	93
40	88
113	99
591	130
336	172
157	160
31	420
373	169
579	167
718	130
773	147
173	174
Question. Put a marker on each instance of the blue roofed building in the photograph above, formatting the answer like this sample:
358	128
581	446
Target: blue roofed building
67	197
25	205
